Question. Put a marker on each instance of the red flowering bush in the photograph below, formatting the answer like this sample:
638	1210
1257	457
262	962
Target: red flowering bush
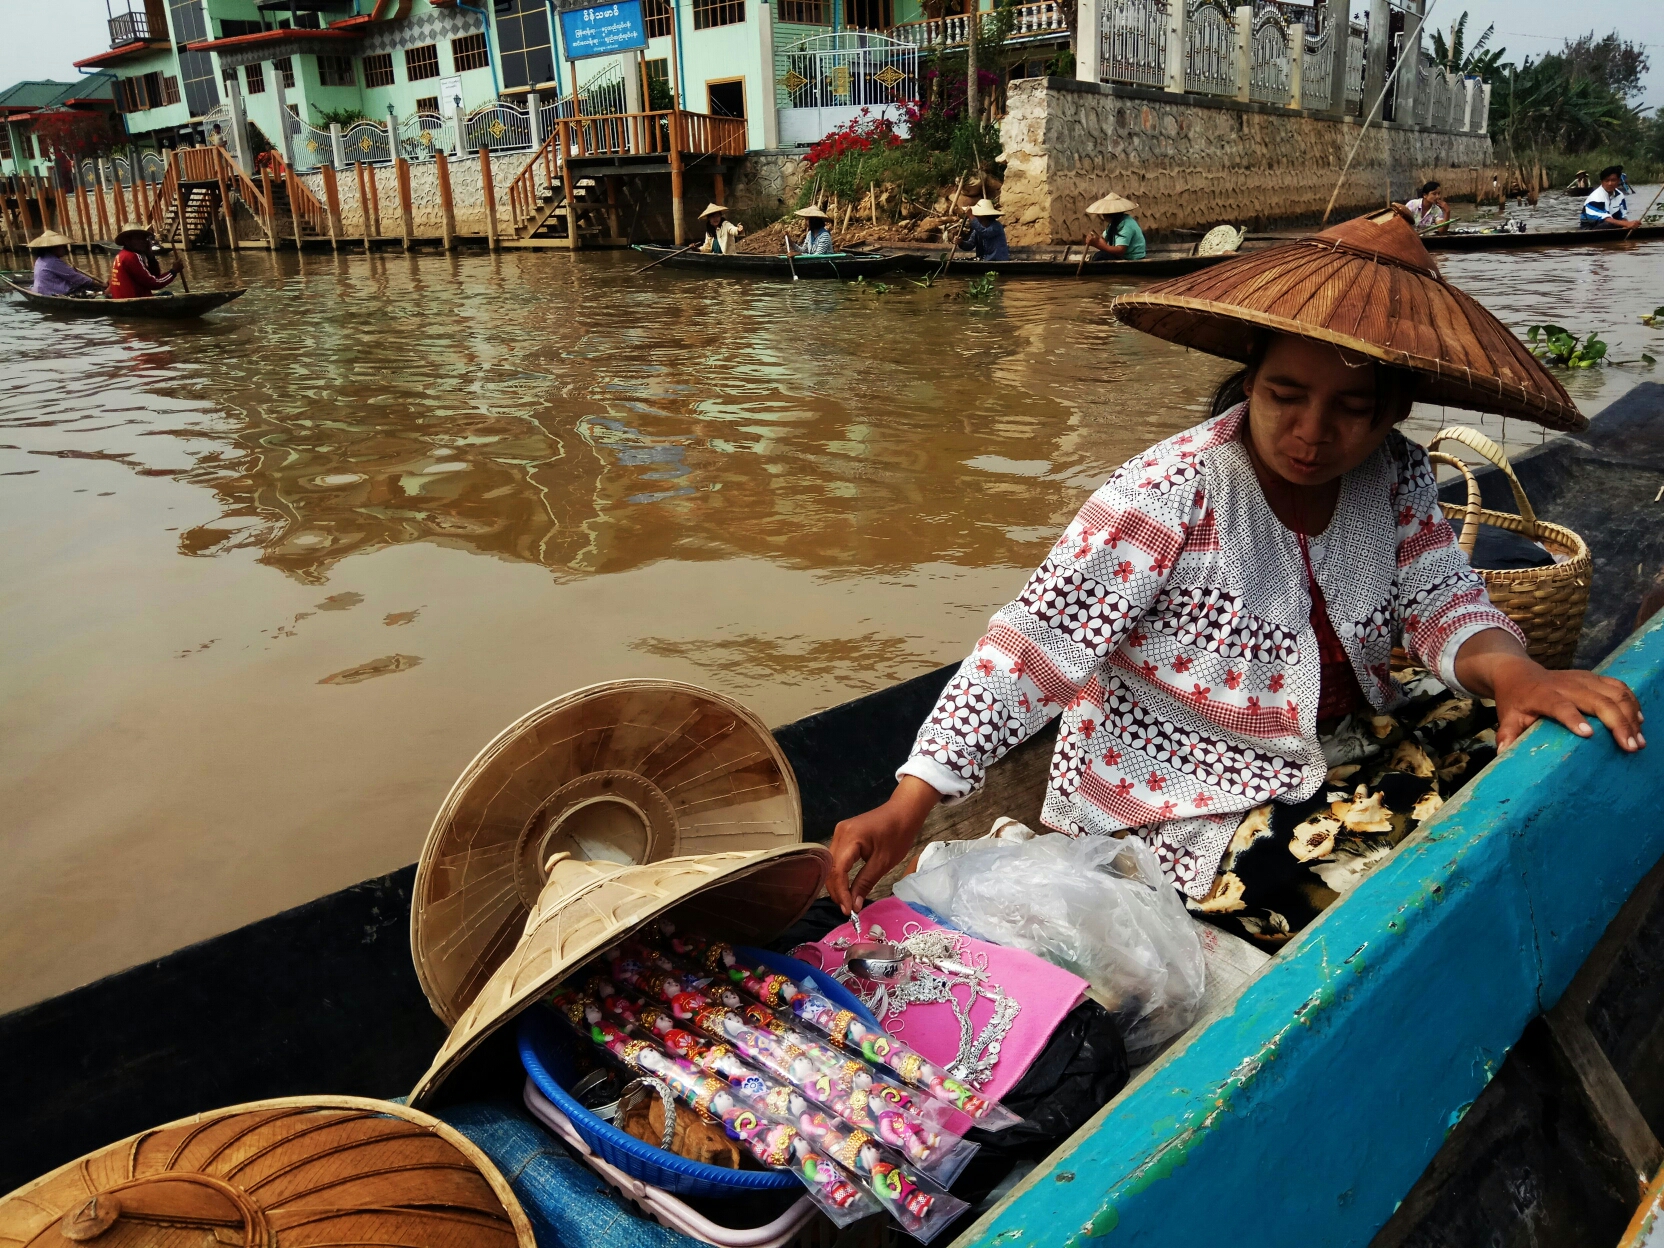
860	133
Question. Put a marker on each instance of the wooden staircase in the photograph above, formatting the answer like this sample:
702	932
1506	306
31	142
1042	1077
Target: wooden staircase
202	183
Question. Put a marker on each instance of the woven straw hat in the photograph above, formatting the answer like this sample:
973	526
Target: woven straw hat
137	234
587	907
1367	285
49	239
1112	203
302	1170
813	211
710	208
985	208
629	771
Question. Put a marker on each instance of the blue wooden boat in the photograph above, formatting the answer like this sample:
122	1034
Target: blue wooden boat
1465	1050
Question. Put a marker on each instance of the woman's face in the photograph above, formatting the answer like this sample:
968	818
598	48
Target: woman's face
1311	412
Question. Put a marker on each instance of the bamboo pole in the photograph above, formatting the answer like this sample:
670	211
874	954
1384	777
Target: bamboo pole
363	205
489	194
401	177
332	205
447	208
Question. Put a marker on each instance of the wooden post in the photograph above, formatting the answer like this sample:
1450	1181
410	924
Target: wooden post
332	204
973	103
569	183
225	204
488	194
677	208
66	222
98	194
363	205
291	185
375	196
612	207
271	206
447	209
401	176
718	186
85	212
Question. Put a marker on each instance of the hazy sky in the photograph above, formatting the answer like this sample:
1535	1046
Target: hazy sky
43	37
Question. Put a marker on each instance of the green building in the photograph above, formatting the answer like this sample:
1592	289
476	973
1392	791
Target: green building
21	105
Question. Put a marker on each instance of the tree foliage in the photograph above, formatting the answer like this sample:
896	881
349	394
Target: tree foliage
1451	54
76	135
1571	101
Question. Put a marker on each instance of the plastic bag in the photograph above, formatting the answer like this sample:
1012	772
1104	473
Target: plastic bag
1094	905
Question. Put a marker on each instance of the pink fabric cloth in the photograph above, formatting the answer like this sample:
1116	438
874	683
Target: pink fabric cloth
1045	992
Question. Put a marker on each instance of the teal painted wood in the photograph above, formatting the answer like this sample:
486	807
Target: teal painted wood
1304	1114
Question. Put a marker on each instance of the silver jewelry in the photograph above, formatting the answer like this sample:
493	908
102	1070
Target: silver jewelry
649	1084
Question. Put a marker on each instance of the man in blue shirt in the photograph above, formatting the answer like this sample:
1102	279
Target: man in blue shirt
987	238
1607	208
1122	239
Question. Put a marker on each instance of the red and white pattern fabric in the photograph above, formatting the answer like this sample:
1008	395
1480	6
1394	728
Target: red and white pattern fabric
1170	627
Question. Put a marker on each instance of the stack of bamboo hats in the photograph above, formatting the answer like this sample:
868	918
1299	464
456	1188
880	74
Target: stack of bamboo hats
1370	287
629	772
277	1174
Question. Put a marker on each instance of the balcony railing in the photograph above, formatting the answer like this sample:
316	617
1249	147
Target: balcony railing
129	28
1044	19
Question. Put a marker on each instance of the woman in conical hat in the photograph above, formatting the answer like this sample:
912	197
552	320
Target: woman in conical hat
720	233
987	234
1122	237
817	235
54	274
1227	604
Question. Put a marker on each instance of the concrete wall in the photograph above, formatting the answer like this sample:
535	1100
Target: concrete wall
1196	161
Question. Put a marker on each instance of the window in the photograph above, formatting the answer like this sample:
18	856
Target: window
657	14
658	84
422	62
170	90
708	13
427	104
378	70
286	66
5	142
150	91
336	71
469	52
196	75
727	99
254	78
188	23
525	55
130	95
806	12
869	14
231	28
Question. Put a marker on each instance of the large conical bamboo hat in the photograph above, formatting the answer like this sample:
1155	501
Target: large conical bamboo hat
587	907
1367	285
626	772
276	1174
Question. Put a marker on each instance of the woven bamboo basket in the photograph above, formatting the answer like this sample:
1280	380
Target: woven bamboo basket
1548	603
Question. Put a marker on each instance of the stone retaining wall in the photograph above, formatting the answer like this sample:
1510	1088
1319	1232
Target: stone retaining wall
1191	162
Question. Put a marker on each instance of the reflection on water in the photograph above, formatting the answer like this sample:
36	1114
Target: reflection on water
252	645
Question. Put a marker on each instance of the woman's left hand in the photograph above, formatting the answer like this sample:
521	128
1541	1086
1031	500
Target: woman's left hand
1494	664
1525	692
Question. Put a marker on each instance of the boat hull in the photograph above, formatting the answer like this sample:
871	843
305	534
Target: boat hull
1156	266
154	307
845	265
1545	238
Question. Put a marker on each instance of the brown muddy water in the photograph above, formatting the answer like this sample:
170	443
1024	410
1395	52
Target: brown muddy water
272	578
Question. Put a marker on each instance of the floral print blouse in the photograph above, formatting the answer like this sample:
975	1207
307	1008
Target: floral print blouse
1171	628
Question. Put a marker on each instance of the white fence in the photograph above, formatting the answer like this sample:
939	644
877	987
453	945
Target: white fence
1255	52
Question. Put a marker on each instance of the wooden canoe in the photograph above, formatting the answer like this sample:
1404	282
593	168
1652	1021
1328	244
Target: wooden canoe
152	307
1482	241
1375	1043
845	264
1037	266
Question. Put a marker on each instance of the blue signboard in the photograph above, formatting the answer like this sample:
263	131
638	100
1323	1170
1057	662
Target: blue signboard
602	30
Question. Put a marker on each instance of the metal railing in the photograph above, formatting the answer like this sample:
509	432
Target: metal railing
848	69
1044	19
1210	48
1269	64
1355	40
366	143
1134	38
1317	71
129	28
497	127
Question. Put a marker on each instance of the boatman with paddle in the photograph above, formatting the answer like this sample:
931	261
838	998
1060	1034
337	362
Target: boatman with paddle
720	233
1122	237
1215	630
131	277
1607	208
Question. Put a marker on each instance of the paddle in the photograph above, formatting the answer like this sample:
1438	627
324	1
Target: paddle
1085	251
1648	208
671	256
790	264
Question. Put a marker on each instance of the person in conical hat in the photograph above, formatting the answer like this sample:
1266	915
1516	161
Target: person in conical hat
817	235
1121	237
1226	605
54	274
987	234
135	273
720	233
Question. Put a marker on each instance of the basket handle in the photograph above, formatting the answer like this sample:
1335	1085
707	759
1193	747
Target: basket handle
1476	441
1469	536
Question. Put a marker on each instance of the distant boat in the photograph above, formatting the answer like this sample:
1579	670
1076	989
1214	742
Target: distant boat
843	264
149	307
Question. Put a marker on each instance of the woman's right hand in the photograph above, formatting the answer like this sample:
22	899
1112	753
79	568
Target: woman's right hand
879	839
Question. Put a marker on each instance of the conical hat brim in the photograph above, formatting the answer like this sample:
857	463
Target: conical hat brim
49	239
812	213
588	907
387	1171
710	208
1370	287
1112	204
630	770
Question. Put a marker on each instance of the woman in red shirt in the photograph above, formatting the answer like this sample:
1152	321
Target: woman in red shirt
130	276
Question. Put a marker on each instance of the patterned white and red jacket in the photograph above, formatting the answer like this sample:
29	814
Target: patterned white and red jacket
1171	628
